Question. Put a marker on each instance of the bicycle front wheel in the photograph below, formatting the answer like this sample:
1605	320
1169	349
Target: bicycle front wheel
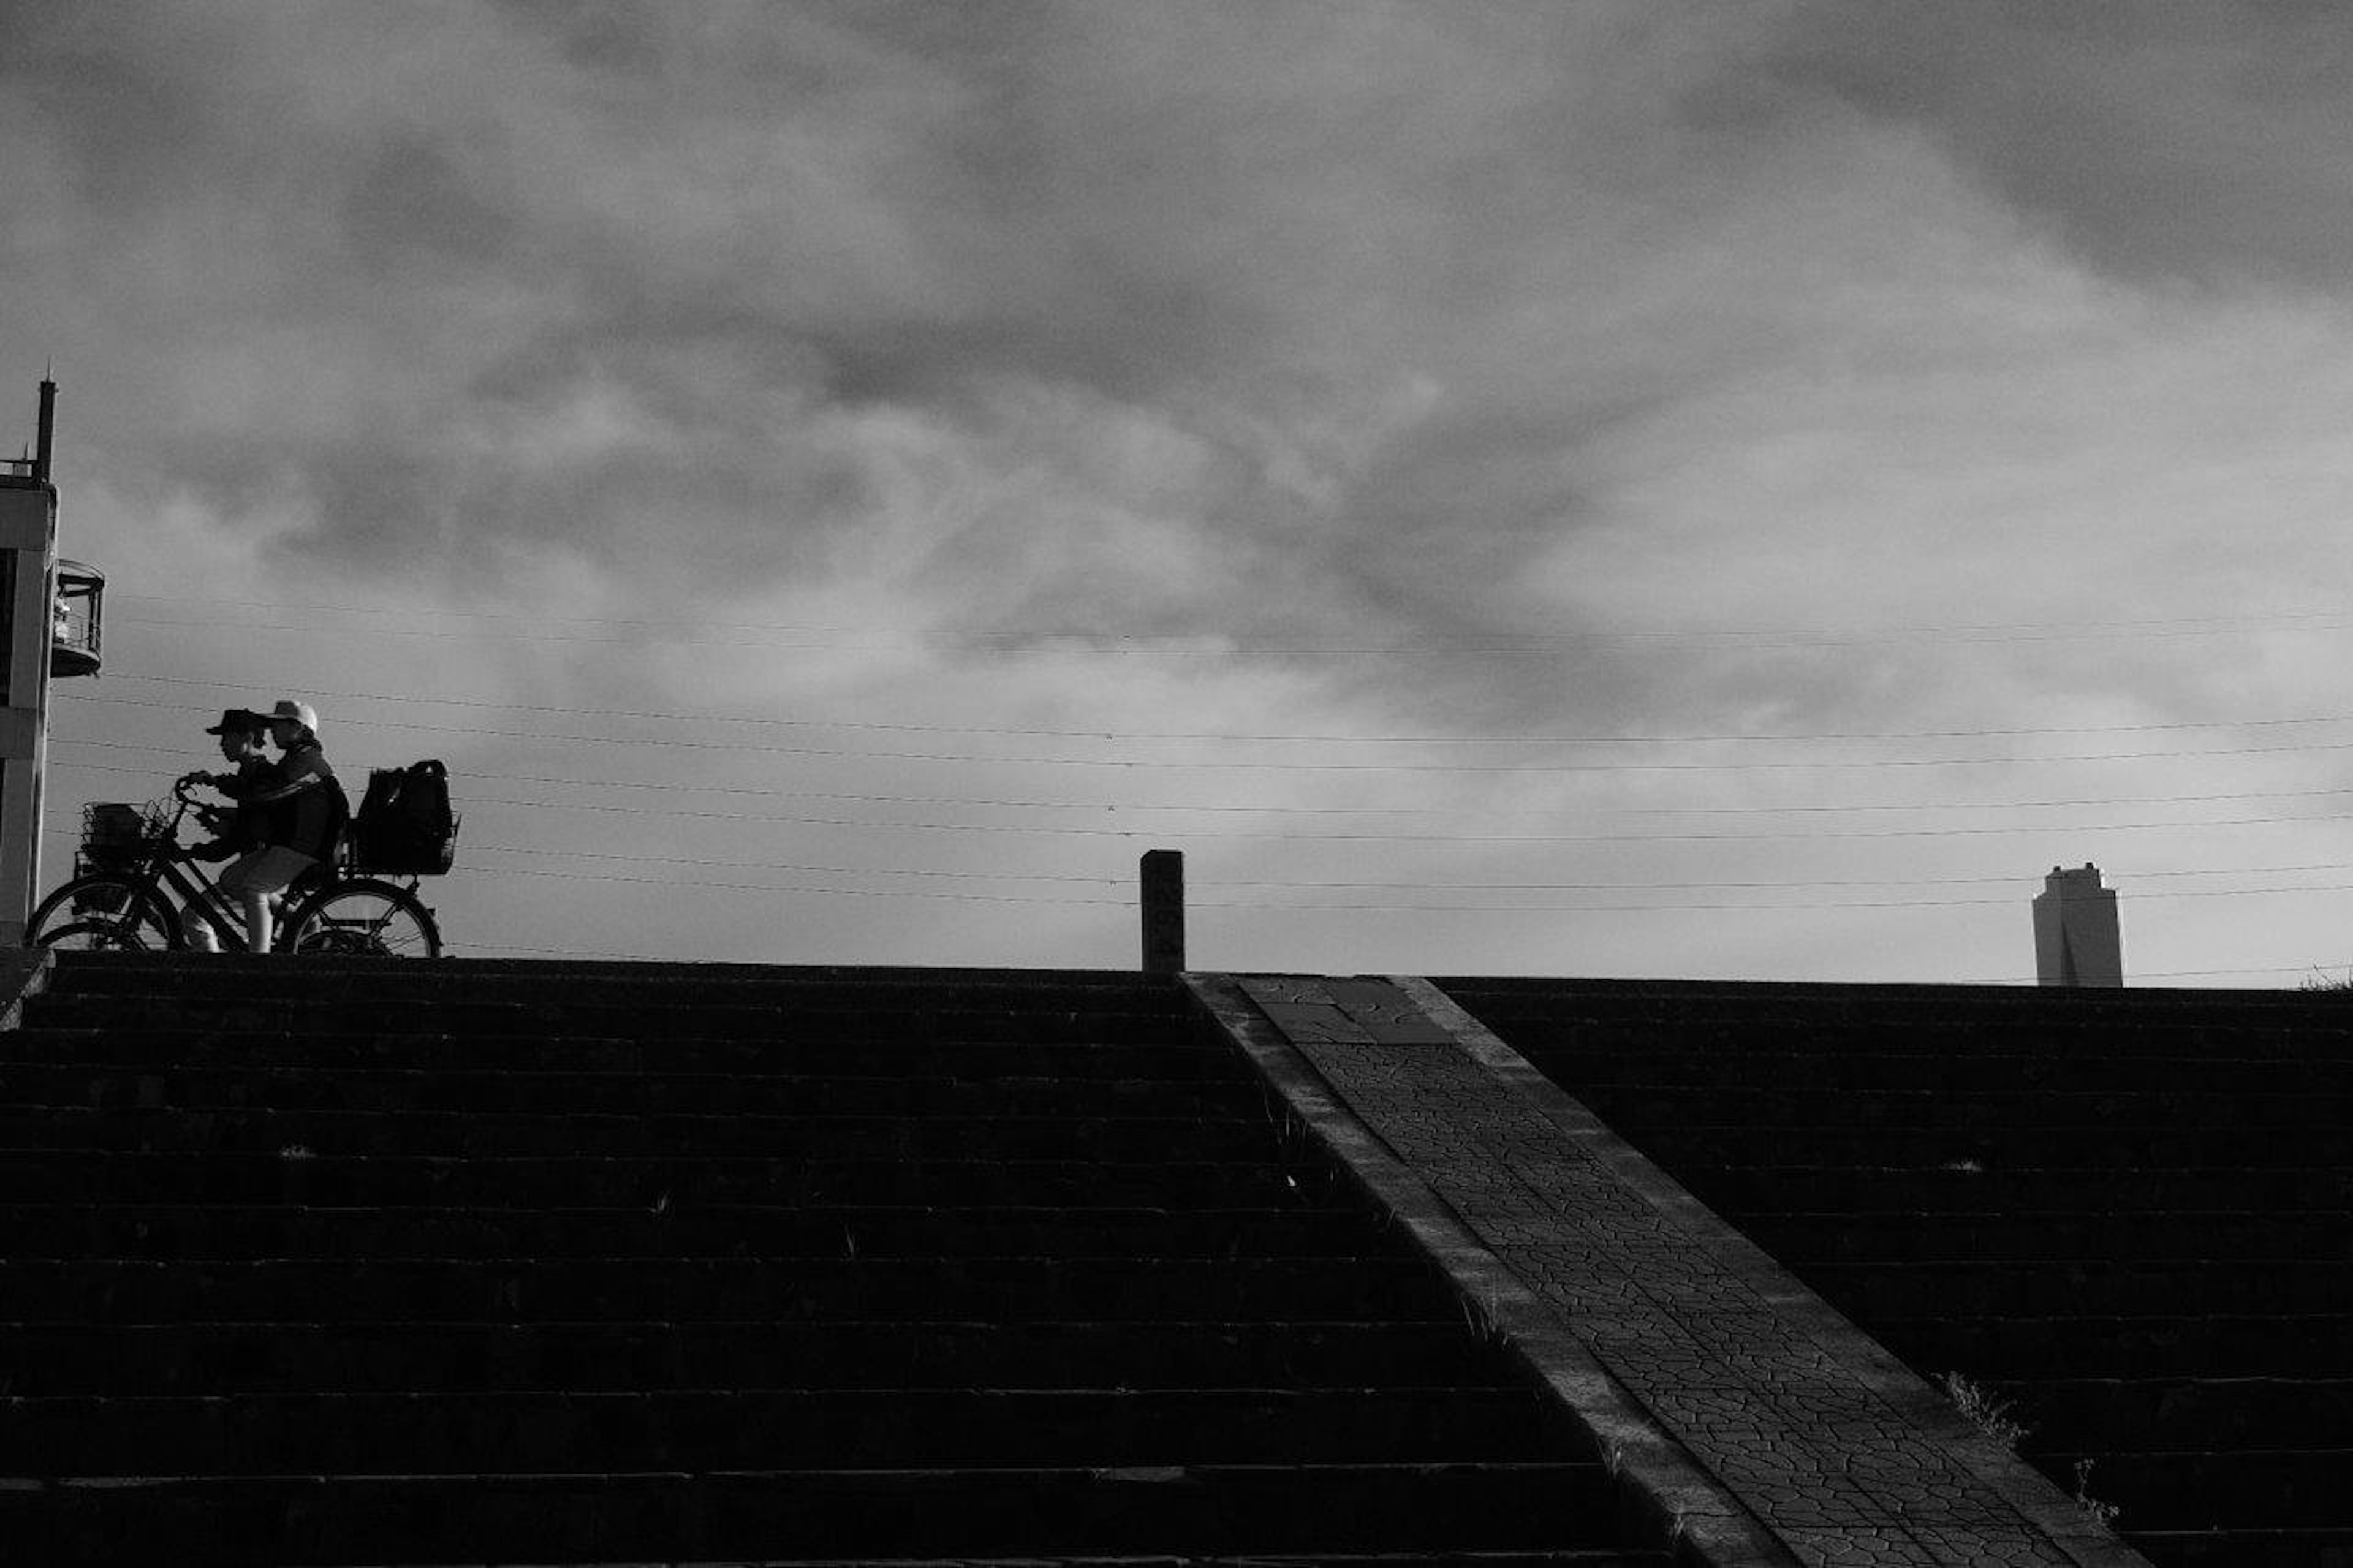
366	919
105	912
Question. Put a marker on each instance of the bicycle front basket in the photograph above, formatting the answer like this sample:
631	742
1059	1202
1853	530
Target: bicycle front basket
112	834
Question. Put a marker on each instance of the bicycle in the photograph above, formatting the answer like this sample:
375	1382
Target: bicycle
133	879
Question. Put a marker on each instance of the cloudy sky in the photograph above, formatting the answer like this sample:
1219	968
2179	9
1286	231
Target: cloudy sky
1662	488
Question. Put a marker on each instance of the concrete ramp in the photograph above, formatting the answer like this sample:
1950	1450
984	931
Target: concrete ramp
1763	1426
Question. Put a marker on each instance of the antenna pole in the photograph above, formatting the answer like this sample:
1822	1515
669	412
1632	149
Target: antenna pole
49	434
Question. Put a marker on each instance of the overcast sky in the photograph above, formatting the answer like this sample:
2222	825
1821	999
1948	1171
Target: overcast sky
1517	486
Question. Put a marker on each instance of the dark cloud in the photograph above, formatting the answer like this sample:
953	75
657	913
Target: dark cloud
410	201
617	37
1262	323
2199	143
133	113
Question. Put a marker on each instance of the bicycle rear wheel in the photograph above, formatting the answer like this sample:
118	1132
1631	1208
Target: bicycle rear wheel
105	912
363	918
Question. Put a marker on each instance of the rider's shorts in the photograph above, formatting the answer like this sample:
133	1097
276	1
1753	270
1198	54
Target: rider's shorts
267	870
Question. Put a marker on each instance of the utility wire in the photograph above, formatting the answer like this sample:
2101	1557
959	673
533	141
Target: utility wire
67	825
1192	834
680	717
1394	886
1128	902
1285	810
1256	766
1501	641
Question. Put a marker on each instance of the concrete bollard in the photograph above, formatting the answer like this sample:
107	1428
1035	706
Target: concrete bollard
1163	902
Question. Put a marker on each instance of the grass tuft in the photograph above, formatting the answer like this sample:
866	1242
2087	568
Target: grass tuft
2094	1508
1987	1411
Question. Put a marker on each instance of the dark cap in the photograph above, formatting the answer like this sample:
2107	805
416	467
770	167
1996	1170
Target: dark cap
239	720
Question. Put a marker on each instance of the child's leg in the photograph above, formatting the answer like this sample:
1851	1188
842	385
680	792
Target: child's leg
255	881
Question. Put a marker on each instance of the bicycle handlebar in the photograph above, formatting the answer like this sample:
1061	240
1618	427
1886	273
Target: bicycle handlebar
184	803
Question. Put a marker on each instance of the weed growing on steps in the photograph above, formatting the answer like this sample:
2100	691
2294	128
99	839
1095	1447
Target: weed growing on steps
2099	1512
1985	1410
1990	1414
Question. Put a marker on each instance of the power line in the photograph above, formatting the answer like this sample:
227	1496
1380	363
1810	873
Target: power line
62	824
1257	765
1128	902
1162	831
1442	887
1500	641
1288	810
1324	738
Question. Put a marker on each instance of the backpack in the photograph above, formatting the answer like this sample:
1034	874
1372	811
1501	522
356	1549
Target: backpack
405	825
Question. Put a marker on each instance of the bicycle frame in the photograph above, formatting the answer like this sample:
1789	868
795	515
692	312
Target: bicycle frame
165	864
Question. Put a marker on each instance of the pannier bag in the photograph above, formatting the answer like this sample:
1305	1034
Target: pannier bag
405	825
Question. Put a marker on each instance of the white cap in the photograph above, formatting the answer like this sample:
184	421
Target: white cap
302	714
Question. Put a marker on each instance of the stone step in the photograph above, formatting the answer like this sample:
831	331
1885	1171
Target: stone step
1604	1557
162	1231
2150	1342
308	1178
2243	1548
1922	1235
342	1013
1699	1139
2007	1111
1577	1029
657	1053
783	1290
66	1358
161	1084
2272	1488
492	1134
2095	1413
563	1431
1980	1287
1864	1017
1668	1071
678	985
1972	1186
1832	1003
1130	1511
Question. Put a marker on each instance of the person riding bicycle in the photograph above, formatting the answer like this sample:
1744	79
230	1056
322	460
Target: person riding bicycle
303	815
135	888
243	826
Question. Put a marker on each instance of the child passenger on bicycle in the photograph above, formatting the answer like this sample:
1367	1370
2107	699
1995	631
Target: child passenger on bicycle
301	814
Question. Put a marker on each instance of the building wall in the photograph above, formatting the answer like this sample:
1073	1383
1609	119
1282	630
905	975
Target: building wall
28	513
2077	939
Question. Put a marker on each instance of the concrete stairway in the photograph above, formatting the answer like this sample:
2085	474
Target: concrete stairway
2129	1214
476	1262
